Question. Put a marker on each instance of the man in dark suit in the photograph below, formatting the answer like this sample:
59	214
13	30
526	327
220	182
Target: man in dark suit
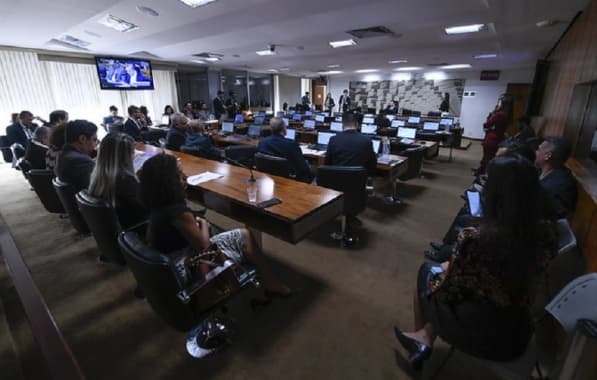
36	151
231	105
278	145
350	148
135	123
391	108
74	164
219	108
344	102
21	131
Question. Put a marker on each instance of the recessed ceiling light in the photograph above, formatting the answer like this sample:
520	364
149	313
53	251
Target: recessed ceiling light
435	75
331	72
197	3
399	61
266	52
197	61
412	68
343	43
147	11
73	41
464	29
333	66
484	56
272	70
366	71
213	59
456	66
117	23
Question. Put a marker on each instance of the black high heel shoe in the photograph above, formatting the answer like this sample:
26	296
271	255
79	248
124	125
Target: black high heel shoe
418	352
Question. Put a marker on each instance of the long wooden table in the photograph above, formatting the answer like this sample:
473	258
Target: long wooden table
303	209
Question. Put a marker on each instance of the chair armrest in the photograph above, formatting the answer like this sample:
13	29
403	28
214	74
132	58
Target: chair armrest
139	228
185	294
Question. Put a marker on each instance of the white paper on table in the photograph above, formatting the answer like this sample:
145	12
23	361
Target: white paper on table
196	179
139	152
139	160
312	151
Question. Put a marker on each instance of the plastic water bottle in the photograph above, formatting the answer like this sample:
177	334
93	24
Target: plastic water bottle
385	146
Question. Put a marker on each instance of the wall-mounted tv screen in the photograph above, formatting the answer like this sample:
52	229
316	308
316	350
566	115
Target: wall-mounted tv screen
124	73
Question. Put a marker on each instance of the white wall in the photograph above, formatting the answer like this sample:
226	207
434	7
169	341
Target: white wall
474	109
289	89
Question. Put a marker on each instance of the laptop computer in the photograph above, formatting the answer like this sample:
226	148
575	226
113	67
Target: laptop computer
297	117
338	118
369	129
280	114
238	119
286	121
254	131
368	120
398	123
336	126
227	128
259	120
323	139
320	118
309	125
165	120
447	122
290	133
406	135
369	115
414	119
432	126
308	113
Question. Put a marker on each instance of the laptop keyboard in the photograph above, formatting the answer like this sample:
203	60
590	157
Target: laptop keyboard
318	147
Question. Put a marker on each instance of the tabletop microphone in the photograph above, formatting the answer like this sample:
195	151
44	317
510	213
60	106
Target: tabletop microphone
237	163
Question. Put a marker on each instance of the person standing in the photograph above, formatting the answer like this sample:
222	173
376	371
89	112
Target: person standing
329	103
344	102
231	105
306	100
445	105
495	130
219	108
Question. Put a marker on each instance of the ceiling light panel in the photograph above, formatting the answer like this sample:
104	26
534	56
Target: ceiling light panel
197	3
331	72
266	52
461	29
398	61
363	71
212	59
117	23
198	61
411	68
333	66
343	43
457	66
484	56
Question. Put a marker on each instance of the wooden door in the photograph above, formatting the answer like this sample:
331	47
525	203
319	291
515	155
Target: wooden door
520	93
318	95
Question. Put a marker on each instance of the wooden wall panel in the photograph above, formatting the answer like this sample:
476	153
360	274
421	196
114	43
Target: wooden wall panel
573	61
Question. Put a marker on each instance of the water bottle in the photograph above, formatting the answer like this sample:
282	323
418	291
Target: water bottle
385	147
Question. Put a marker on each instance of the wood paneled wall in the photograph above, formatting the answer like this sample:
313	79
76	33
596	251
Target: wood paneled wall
573	61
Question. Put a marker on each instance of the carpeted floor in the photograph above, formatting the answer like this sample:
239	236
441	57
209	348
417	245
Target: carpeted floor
338	325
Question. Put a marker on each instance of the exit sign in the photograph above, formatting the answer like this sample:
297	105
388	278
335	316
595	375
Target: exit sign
490	75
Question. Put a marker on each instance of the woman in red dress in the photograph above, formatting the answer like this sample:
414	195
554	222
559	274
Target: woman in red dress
495	129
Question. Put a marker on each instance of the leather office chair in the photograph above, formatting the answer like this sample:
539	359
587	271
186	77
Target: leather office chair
104	225
17	151
241	153
5	147
352	181
66	194
210	154
153	136
273	165
41	181
413	170
184	306
115	128
24	166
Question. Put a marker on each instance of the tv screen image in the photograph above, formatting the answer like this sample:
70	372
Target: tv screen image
124	73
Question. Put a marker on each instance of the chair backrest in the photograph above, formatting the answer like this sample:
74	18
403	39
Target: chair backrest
18	151
351	180
6	152
273	165
103	223
208	153
578	300
155	277
415	162
41	181
153	136
66	194
241	153
24	166
566	238
115	128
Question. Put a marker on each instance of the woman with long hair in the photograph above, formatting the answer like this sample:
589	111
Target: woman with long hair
479	301
495	129
113	179
175	231
56	142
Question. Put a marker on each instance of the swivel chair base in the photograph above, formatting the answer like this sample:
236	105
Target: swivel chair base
210	336
345	240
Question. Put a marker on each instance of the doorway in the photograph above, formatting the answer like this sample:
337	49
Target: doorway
520	95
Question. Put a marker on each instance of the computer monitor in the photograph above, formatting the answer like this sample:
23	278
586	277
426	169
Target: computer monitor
297	117
254	130
286	121
290	133
227	127
308	113
368	120
390	117
323	138
431	125
407	133
280	114
398	123
414	119
309	124
376	145
369	129
336	126
261	113
338	118
239	118
325	114
369	115
320	118
446	121
259	120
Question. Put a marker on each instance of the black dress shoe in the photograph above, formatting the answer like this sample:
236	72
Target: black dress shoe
436	245
418	352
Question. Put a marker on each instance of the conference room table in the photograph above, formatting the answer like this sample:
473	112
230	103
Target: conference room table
304	207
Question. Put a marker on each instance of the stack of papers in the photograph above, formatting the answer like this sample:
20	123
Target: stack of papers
197	179
312	151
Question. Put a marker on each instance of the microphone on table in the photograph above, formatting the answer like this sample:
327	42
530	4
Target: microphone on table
237	163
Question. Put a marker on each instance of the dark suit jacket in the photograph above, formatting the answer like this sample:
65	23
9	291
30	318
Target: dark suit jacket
130	128
350	148
36	155
278	145
561	186
15	134
175	138
219	108
346	105
74	167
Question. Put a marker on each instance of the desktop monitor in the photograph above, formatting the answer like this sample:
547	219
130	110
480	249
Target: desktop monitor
320	118
261	113
407	133
308	113
336	126
254	130
259	120
390	117
446	121
323	138
398	123
376	145
296	117
431	125
227	127
369	115
414	119
368	120
338	118
325	114
290	133
280	114
286	121
309	124
369	129
239	118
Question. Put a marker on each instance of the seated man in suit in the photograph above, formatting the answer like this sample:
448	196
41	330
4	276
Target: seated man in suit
177	134
36	151
74	164
58	117
350	148
21	131
278	145
135	123
112	119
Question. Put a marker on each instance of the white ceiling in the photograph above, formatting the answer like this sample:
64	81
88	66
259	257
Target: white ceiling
241	27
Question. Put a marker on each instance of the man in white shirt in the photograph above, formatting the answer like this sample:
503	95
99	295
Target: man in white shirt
344	103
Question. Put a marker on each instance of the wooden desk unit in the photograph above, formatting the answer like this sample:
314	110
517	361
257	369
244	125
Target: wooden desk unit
303	209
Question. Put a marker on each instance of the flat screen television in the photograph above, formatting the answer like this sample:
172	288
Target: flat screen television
124	73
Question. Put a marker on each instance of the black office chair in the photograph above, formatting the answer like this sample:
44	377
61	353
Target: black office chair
185	307
208	153
104	225
66	194
415	163
153	136
273	165
17	151
352	181
24	166
5	147
41	181
241	153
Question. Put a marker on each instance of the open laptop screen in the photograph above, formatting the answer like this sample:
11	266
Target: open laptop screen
309	124
431	125
308	113
376	145
165	120
296	117
290	133
368	120
286	121
259	120
323	138
280	114
228	127
398	123
369	129
239	118
414	119
446	121
338	118
254	131
320	118
336	126
408	133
